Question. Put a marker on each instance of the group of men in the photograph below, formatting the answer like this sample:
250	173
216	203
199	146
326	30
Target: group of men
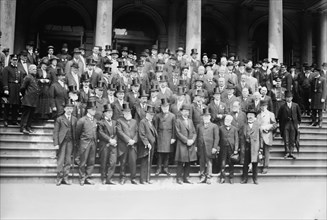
164	104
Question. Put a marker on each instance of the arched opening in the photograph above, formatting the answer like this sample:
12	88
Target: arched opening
58	25
135	30
214	39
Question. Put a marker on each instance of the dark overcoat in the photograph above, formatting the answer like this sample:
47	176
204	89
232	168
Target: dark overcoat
165	125
148	135
318	91
12	79
30	91
207	138
86	132
126	130
61	127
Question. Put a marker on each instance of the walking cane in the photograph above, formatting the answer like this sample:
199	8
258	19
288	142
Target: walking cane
149	166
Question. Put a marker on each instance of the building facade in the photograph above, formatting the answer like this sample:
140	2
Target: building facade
295	31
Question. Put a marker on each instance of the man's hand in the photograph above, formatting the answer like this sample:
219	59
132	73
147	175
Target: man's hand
20	94
149	146
322	100
172	141
219	116
213	150
189	142
6	92
54	109
235	152
131	142
309	100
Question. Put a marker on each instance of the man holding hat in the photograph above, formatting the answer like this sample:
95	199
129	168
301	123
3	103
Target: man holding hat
31	92
289	118
64	139
267	122
86	134
127	133
207	145
165	126
107	145
76	59
318	93
251	147
58	94
12	79
185	146
148	140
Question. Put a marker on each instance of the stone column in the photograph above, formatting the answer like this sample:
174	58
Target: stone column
103	34
242	33
7	23
173	28
193	26
275	30
307	38
322	49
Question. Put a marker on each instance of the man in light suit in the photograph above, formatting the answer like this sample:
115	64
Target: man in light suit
127	133
268	124
76	59
64	138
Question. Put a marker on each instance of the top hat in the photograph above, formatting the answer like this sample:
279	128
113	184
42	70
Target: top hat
274	60
143	94
150	109
154	88
50	47
60	72
121	88
216	91
159	68
107	69
85	77
121	64
164	102
69	103
180	49
263	102
251	110
100	84
186	107
181	90
154	47
167	51
91	62
124	49
126	107
288	94
107	107
135	82
194	51
214	56
112	87
76	50
91	104
163	78
72	89
107	48
74	65
114	52
206	111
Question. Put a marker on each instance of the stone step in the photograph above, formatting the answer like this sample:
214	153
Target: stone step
36	129
26	137
51	168
312	142
30	159
303	147
301	154
162	179
5	150
298	161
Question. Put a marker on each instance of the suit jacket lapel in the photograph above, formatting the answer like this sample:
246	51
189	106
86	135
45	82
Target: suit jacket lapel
66	122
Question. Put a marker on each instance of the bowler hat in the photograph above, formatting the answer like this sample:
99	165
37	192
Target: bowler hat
214	56
30	43
164	102
278	80
230	63
126	107
107	107
150	109
186	107
64	46
50	47
125	49
76	50
288	94
173	57
206	111
114	52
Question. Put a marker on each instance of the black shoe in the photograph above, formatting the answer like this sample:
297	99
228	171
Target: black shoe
122	181
292	156
167	173
5	124
286	156
157	173
142	182
58	182
222	181
134	182
255	182
89	181
30	130
313	124
231	181
110	182
244	181
24	131
66	181
202	179
149	182
264	171
179	182
187	181
15	123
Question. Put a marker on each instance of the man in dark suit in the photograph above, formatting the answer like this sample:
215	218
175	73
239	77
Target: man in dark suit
148	140
107	145
245	99
186	146
165	125
207	143
217	108
141	107
127	133
228	143
117	105
94	76
239	88
64	138
286	78
132	97
58	94
22	64
86	134
31	92
289	118
31	56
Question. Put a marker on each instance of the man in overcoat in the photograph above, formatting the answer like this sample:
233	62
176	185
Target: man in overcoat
127	133
317	98
165	125
147	143
207	145
86	134
107	145
64	139
30	91
185	147
289	118
58	94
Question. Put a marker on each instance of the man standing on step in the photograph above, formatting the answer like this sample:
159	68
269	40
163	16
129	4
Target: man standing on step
86	134
107	145
289	118
64	139
268	124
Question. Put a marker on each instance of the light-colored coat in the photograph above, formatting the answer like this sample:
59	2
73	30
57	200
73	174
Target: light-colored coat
267	121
